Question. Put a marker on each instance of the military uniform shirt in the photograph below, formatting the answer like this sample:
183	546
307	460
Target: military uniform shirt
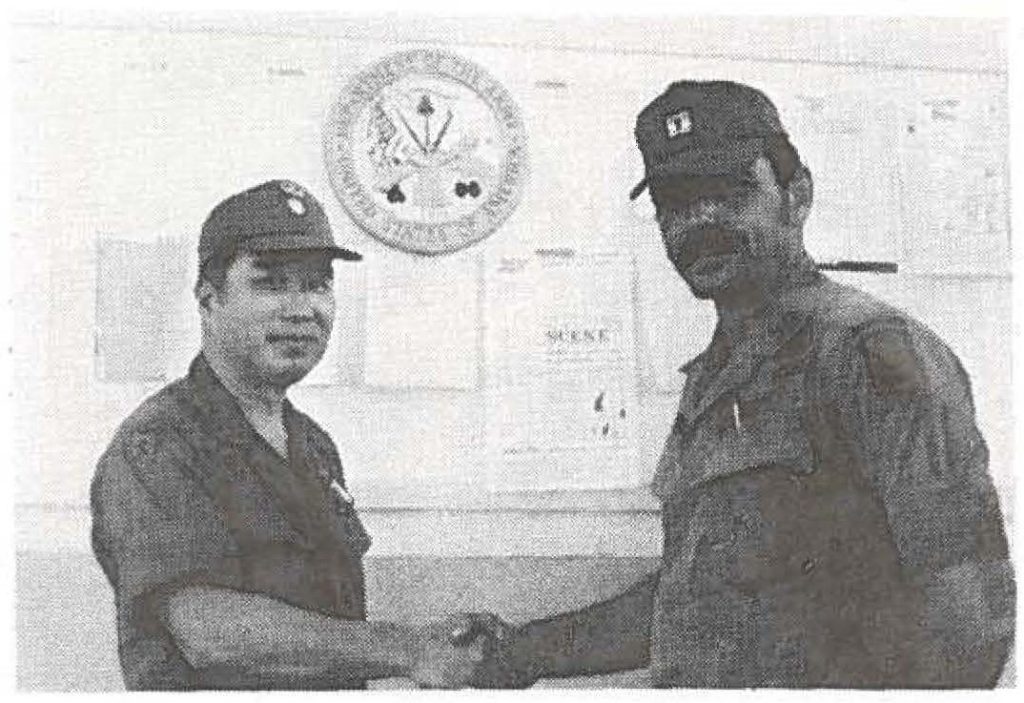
188	493
824	477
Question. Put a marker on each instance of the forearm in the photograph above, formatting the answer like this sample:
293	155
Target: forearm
609	636
250	636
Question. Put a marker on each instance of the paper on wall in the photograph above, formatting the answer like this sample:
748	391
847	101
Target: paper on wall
561	393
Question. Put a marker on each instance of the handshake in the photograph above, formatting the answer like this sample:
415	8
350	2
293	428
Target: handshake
473	649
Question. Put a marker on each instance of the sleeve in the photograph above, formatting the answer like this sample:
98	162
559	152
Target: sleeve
906	403
605	637
154	528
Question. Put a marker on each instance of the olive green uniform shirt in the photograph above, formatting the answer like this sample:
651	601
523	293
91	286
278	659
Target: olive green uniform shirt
188	493
824	490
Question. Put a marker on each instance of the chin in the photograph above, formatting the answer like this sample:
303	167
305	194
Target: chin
704	291
284	377
285	372
698	291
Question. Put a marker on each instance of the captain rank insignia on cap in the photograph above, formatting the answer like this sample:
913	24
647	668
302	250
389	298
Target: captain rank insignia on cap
678	123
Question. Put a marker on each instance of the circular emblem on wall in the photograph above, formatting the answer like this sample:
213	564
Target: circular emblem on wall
426	151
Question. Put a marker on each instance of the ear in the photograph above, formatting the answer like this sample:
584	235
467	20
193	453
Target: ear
799	195
205	295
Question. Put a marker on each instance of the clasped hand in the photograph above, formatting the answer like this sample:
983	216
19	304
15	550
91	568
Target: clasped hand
459	651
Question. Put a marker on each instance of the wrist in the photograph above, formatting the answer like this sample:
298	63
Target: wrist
523	666
408	645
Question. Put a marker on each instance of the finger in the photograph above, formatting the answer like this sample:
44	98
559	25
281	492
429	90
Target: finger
476	649
462	634
464	629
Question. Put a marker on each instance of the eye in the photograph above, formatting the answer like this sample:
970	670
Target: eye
320	284
324	286
270	283
742	189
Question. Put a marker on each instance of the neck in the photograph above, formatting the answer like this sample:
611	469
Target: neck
738	309
737	321
258	401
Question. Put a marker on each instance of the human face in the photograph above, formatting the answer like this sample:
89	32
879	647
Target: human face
273	317
724	234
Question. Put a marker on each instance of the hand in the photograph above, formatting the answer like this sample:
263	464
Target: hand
448	653
499	667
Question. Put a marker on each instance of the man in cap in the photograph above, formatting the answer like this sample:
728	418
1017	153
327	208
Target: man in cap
827	512
220	513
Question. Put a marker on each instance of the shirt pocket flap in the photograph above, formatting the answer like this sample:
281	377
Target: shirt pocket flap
777	440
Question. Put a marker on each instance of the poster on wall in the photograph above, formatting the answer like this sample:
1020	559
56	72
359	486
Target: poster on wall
954	173
561	372
849	141
138	332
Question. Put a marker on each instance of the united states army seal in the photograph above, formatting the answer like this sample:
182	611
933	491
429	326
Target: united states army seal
426	151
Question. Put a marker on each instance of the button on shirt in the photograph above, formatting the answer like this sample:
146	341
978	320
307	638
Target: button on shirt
821	473
188	493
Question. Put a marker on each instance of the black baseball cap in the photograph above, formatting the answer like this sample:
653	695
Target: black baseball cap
276	216
704	128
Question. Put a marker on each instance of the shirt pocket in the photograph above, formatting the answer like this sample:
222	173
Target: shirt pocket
736	526
776	440
770	426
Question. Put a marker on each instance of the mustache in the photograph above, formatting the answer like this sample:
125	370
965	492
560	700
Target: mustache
292	337
710	241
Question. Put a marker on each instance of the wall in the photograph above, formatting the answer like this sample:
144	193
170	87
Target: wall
134	130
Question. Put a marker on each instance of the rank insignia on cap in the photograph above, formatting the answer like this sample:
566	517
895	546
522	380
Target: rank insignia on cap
296	206
293	189
678	123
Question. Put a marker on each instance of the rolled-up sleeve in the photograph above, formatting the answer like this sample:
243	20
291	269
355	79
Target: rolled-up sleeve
906	405
153	526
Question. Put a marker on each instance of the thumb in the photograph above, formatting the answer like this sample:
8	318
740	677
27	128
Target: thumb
463	629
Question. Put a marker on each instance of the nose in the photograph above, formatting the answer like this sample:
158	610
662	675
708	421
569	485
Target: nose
298	306
305	307
700	212
691	215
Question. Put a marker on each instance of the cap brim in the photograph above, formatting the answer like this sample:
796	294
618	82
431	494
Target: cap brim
708	161
296	243
638	189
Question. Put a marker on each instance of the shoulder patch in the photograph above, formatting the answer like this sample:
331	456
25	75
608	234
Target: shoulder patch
893	367
141	446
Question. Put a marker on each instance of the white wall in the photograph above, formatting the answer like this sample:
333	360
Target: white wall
136	131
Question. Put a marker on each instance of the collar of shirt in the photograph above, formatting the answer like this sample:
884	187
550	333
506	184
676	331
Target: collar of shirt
290	479
726	365
221	408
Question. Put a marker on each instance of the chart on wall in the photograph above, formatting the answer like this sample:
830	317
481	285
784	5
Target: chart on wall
135	333
561	386
955	180
849	140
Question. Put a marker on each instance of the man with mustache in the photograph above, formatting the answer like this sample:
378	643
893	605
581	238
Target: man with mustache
220	513
828	516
